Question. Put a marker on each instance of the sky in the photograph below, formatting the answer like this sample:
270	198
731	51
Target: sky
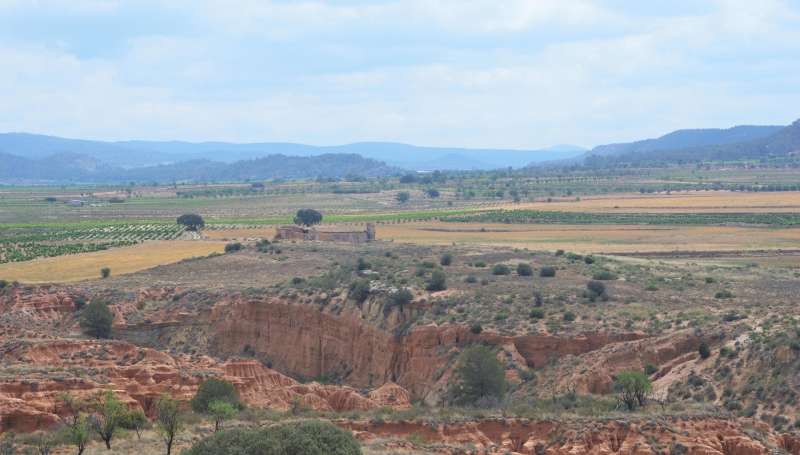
471	73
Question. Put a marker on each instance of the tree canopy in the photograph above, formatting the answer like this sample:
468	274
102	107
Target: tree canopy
479	377
191	221
96	319
214	390
307	217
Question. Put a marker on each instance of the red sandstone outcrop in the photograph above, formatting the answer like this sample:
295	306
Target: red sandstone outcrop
139	376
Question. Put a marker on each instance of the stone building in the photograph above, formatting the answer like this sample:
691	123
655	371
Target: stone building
329	234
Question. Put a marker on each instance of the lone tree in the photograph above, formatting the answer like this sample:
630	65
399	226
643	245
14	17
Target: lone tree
96	319
107	417
307	217
214	390
191	221
168	420
402	197
480	377
633	387
221	411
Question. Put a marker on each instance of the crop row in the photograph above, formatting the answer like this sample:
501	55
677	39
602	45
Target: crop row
546	217
26	251
125	232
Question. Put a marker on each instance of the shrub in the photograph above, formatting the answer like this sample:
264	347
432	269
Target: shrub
214	390
438	281
402	197
303	438
362	264
524	269
479	376
559	252
96	319
704	350
307	217
105	272
233	247
471	279
359	290
500	269
596	289
134	420
547	272
263	246
446	259
536	313
538	300
724	294
633	387
569	316
588	260
401	297
191	221
3	284
650	369
476	329
604	275
479	264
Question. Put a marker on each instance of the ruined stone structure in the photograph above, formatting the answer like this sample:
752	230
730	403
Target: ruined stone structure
325	235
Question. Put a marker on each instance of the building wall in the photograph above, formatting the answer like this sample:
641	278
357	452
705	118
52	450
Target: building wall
298	233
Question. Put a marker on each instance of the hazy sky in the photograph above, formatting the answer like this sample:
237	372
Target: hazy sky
475	73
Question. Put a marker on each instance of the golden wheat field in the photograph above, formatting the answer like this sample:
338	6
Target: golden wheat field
120	260
693	201
595	238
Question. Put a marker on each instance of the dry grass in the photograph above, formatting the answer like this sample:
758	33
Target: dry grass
121	261
594	238
694	201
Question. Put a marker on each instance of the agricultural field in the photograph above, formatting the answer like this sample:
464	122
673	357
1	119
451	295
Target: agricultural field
120	260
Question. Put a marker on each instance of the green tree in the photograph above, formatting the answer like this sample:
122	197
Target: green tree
704	350
359	290
479	377
403	197
135	420
307	217
77	433
214	390
107	416
221	411
191	221
168	420
633	387
438	281
96	319
105	272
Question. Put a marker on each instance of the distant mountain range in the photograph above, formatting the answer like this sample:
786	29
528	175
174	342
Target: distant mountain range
739	142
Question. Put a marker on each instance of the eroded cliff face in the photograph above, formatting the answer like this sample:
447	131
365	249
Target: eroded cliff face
310	340
38	373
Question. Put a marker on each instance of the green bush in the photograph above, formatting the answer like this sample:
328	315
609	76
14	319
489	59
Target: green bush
359	290
588	260
476	329
105	272
233	247
547	272
559	252
604	275
96	319
438	281
524	269
595	290
650	369
500	269
446	259
303	438
569	316
724	294
536	313
214	390
480	377
471	279
704	350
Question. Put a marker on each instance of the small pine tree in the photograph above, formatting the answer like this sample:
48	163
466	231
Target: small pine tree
96	319
480	377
